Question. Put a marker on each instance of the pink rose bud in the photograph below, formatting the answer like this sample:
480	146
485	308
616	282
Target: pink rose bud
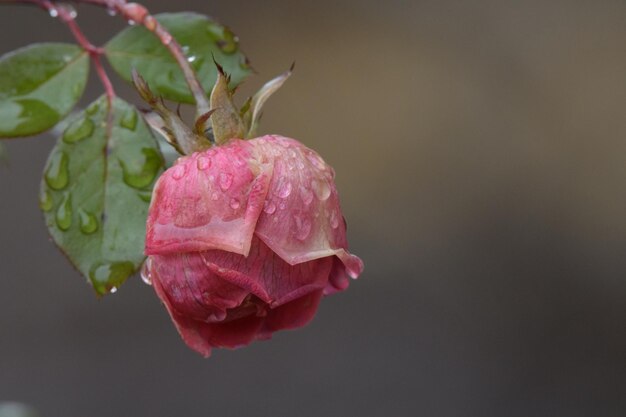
244	239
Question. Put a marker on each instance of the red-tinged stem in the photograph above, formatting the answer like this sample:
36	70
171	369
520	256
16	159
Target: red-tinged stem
135	13
68	17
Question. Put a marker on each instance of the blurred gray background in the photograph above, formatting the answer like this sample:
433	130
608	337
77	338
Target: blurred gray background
479	149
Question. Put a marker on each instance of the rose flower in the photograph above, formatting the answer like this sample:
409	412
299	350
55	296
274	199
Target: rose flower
245	237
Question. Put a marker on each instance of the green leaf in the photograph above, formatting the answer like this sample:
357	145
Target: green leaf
39	85
96	190
200	37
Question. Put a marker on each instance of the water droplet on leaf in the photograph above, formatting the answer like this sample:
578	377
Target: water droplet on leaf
45	200
78	130
57	175
88	222
129	121
151	165
145	196
105	276
63	216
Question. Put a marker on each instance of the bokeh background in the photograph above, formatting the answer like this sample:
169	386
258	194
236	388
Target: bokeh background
479	149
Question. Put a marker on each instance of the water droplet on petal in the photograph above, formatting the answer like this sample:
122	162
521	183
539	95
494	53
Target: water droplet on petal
57	175
53	12
63	216
269	207
234	204
146	275
284	189
204	163
214	196
303	227
321	189
316	160
179	171
88	222
129	121
226	181
80	129
306	195
45	200
71	10
334	219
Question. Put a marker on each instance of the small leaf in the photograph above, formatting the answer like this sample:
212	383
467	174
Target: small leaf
200	37
225	119
252	115
39	85
94	192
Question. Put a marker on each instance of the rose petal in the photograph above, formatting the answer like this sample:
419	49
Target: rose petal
209	200
294	314
302	219
266	275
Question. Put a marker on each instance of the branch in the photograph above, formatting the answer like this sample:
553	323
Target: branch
68	15
135	13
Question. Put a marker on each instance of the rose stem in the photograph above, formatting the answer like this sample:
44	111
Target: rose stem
137	14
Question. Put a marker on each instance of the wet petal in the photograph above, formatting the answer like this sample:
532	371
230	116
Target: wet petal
209	200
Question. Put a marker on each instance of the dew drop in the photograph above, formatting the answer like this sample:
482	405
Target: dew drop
146	275
269	207
88	222
145	196
204	163
129	121
321	189
131	22
92	109
45	200
316	161
78	130
149	170
111	11
303	227
113	290
53	12
71	10
334	219
234	204
179	171
191	58
226	181
306	195
228	44
57	175
107	276
284	189
63	216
